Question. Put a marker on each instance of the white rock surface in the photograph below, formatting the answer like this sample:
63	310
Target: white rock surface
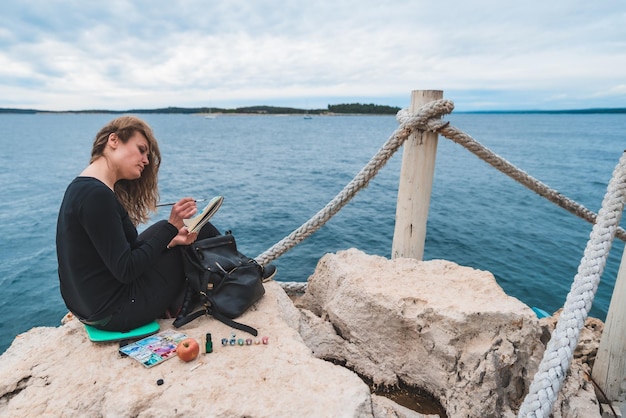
437	326
53	372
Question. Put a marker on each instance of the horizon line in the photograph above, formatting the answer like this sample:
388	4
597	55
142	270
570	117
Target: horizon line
180	109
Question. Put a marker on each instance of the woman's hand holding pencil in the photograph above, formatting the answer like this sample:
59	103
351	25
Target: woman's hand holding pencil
173	203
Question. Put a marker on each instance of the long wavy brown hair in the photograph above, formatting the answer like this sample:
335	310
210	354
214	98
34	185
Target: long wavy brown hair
139	197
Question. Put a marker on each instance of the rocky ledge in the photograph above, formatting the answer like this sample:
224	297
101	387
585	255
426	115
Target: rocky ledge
431	327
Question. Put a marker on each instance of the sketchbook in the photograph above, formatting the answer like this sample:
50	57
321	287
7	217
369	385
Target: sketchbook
197	222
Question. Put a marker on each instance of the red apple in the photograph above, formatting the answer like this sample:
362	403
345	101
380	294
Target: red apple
187	349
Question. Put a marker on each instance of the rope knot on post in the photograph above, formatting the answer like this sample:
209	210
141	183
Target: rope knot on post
427	117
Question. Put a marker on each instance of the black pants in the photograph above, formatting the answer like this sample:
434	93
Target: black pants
159	290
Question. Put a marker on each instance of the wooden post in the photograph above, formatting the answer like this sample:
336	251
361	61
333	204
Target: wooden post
609	369
416	183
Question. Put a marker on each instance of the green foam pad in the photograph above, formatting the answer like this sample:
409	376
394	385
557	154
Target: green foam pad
98	335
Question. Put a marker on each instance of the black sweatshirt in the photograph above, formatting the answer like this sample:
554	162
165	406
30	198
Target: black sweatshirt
98	252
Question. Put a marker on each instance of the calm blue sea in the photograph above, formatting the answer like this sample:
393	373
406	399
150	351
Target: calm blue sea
276	172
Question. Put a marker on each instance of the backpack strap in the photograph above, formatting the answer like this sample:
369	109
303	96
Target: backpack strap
234	324
183	320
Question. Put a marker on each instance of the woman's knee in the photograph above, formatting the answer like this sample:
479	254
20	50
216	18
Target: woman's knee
208	231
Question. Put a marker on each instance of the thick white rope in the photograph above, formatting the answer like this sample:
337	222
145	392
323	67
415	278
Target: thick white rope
294	288
502	165
430	110
556	360
425	119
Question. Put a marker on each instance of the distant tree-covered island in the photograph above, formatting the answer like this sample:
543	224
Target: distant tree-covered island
337	109
351	108
366	109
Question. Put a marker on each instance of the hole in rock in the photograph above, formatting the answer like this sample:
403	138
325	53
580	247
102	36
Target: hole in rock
413	398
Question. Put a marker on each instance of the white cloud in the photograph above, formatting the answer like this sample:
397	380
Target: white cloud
123	54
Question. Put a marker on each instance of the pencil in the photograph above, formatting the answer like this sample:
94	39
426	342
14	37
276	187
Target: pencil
173	203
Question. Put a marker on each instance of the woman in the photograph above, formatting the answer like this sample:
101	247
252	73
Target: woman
111	277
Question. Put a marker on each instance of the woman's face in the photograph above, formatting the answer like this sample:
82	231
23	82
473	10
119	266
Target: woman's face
131	157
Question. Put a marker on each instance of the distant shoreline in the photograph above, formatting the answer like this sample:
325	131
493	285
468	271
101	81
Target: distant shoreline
351	108
270	110
564	111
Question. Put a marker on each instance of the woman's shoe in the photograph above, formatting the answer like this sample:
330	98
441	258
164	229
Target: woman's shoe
269	271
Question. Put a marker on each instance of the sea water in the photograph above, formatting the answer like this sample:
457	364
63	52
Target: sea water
276	172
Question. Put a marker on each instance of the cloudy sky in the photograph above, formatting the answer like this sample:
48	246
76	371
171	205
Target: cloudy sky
484	54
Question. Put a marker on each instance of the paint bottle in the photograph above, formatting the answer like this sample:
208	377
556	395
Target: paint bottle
208	345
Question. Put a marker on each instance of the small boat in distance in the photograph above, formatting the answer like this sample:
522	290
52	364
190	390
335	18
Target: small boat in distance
210	115
306	114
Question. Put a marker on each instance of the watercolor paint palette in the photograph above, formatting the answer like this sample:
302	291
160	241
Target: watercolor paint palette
154	349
